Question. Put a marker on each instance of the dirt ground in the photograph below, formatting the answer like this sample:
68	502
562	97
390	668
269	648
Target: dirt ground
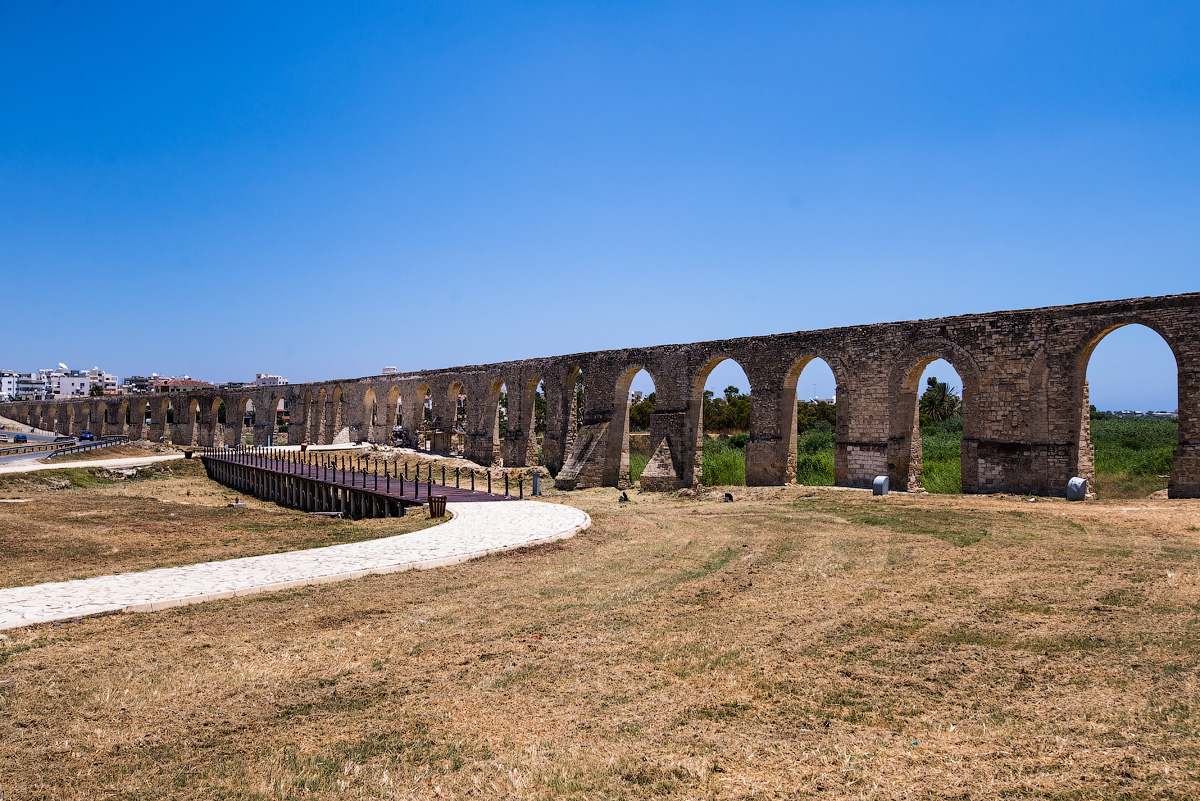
792	643
57	525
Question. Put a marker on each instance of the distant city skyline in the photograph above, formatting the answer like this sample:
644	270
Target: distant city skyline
320	191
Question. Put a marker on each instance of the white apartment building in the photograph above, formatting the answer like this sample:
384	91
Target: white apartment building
32	387
8	384
268	380
109	382
70	384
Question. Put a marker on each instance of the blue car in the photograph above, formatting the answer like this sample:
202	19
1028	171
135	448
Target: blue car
86	434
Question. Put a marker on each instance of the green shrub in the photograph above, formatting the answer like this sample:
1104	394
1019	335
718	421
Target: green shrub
739	440
815	469
723	463
818	440
637	464
1137	447
941	456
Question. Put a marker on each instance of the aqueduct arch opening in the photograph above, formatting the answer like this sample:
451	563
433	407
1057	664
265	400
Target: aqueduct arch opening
497	424
904	392
698	403
806	460
1138	356
630	466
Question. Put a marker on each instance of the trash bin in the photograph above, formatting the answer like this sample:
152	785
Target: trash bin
437	505
1077	489
303	447
187	453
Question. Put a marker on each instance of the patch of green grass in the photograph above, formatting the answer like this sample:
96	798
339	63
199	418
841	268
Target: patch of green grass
814	457
1131	455
956	527
637	464
941	456
724	464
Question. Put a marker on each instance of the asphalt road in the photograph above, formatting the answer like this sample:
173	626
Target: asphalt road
34	439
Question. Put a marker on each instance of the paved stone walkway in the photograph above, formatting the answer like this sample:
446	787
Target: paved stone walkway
130	461
477	529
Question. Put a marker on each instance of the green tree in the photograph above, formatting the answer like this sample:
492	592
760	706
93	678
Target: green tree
810	415
639	414
939	401
95	391
730	413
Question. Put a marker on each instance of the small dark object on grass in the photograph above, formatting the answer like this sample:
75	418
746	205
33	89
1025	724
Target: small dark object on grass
729	497
624	498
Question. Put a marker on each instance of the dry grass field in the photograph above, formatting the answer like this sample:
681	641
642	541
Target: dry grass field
793	643
76	523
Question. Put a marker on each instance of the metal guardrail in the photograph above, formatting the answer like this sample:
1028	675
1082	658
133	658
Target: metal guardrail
103	442
37	447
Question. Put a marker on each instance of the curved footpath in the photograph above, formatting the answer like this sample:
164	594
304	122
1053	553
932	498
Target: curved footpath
477	529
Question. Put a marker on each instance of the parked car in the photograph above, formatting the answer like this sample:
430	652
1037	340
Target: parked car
86	434
20	438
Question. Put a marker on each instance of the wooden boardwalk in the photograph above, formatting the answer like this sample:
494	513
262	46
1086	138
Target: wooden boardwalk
355	486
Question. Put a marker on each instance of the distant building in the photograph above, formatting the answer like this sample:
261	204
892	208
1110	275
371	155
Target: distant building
137	384
8	384
389	371
110	383
70	384
635	397
33	386
185	384
268	380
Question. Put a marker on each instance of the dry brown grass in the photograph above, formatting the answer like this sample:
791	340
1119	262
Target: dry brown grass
793	643
87	522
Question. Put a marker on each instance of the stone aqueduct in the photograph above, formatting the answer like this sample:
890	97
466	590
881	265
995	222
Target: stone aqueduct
1025	402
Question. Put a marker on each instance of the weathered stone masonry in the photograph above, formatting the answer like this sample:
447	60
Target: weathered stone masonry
1025	422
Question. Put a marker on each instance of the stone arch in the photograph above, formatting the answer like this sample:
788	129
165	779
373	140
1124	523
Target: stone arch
317	428
904	438
1083	454
125	417
166	418
370	409
529	422
333	415
279	419
422	416
618	441
497	402
70	429
788	410
191	424
307	432
218	415
456	404
693	461
392	417
564	415
247	417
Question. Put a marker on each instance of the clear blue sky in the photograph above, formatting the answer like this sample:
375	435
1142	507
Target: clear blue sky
220	189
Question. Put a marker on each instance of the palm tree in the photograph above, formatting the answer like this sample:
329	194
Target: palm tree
939	401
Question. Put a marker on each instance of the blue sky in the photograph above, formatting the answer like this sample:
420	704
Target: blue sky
221	189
